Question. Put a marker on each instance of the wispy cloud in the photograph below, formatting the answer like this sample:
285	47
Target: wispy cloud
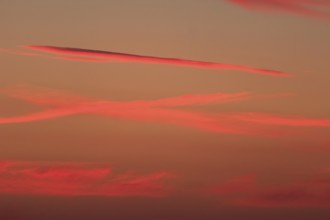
78	179
305	193
248	191
160	110
87	55
18	52
60	104
274	119
51	97
310	8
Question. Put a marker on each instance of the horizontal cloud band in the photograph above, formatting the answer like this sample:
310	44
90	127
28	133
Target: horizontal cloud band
247	191
62	104
102	56
77	179
161	111
300	7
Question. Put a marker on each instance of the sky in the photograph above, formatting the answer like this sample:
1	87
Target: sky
150	109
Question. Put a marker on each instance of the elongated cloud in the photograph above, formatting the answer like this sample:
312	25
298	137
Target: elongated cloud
307	193
18	52
145	111
274	119
311	8
55	98
82	59
248	191
78	179
49	97
61	104
101	56
45	96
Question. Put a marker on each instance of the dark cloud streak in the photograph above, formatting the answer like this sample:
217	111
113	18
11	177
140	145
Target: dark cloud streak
309	8
102	56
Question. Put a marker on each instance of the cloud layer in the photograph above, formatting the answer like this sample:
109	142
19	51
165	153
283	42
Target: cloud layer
161	111
247	191
77	179
274	119
305	193
165	111
310	8
87	55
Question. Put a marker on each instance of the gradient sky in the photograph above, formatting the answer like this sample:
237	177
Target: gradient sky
96	135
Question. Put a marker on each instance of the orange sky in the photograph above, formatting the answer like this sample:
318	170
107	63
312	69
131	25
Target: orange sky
90	134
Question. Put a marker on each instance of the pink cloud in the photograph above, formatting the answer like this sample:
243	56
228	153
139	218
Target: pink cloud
102	56
273	119
82	59
61	104
49	97
311	8
45	96
78	179
18	52
145	111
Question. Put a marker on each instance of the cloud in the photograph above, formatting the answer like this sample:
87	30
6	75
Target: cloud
240	184
308	193
50	97
68	53
61	104
82	59
18	52
274	119
247	191
78	179
3	166
164	110
45	96
310	8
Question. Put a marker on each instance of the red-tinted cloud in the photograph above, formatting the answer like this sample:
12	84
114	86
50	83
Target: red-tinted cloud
145	111
241	184
101	56
82	59
64	104
308	193
45	96
274	119
18	52
311	8
78	179
55	98
247	191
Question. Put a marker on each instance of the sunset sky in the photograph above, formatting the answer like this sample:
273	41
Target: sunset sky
165	110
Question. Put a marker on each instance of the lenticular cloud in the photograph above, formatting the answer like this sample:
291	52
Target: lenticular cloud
310	8
68	53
